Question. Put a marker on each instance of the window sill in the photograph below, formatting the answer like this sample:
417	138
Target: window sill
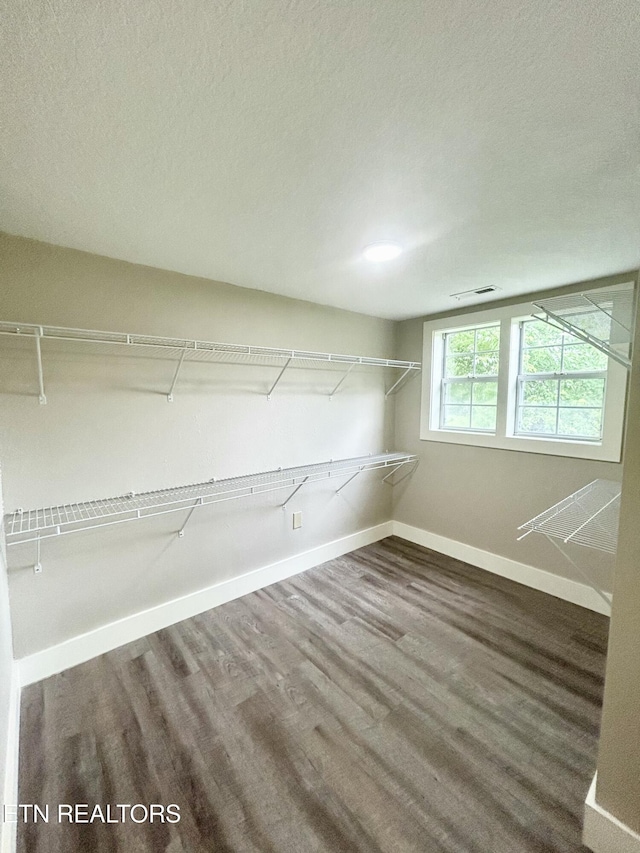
547	446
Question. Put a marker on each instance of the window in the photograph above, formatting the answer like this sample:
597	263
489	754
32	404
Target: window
561	384
502	378
470	379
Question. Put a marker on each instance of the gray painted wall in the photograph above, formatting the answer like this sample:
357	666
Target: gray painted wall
479	496
108	429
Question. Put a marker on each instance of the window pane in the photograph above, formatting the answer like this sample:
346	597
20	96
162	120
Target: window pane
538	420
487	365
485	392
488	339
460	342
543	360
582	392
565	407
457	417
458	392
540	392
483	417
470	353
538	334
582	423
459	365
583	357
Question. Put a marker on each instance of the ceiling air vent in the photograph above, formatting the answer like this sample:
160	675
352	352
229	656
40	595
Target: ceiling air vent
469	294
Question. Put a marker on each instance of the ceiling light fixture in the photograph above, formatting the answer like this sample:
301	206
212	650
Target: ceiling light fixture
383	251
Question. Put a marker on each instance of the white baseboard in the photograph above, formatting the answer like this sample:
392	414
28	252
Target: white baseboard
79	649
603	832
577	593
10	781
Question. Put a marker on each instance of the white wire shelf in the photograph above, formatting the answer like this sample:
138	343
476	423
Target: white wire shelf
183	350
603	318
36	524
588	517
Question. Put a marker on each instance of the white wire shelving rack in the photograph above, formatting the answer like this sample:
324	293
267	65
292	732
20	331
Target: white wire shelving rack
23	526
603	318
183	350
588	517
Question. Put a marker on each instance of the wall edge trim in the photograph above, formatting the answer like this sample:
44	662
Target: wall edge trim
564	588
54	659
603	832
8	830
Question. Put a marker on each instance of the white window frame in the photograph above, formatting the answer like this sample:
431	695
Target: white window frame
609	449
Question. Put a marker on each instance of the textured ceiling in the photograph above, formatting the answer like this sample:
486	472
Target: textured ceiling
264	142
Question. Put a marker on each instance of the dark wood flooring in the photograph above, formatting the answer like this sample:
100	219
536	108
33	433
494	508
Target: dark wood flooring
390	700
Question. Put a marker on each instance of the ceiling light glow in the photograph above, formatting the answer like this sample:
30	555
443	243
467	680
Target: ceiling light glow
385	251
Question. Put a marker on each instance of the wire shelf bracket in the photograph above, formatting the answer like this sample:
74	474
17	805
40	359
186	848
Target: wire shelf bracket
602	318
176	374
294	492
280	375
389	477
195	506
588	517
35	525
339	385
352	477
42	397
398	383
37	566
186	350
